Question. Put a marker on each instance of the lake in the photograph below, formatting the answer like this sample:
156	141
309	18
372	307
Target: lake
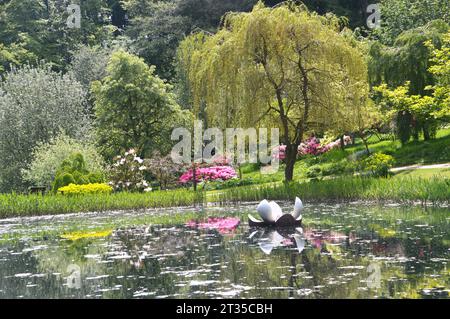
353	250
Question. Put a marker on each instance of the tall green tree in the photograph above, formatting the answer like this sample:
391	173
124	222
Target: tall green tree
36	104
441	71
134	108
287	67
409	60
399	16
39	27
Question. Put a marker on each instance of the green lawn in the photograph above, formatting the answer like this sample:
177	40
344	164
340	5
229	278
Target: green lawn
436	151
425	173
421	152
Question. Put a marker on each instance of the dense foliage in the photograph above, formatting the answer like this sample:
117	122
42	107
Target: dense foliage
137	69
73	170
287	67
133	107
36	104
95	188
47	157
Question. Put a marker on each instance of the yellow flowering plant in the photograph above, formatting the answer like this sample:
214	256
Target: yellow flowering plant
96	188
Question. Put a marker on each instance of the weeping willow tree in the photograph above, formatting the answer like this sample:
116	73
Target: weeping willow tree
409	61
280	67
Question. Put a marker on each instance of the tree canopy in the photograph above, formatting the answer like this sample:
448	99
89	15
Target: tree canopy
36	104
285	66
134	108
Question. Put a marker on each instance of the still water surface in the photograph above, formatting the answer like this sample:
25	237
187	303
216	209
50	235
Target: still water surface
342	251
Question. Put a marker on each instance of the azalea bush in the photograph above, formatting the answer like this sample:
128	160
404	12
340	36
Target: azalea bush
127	173
96	188
205	174
312	146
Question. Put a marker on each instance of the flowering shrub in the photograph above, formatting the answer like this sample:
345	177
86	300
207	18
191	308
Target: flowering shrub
127	174
378	164
74	170
163	169
73	189
312	147
280	152
205	174
221	160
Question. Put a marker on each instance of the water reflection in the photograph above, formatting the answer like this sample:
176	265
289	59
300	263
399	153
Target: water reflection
328	258
269	238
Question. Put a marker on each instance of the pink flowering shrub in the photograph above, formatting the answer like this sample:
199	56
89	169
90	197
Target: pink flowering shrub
312	147
221	160
280	152
215	173
223	225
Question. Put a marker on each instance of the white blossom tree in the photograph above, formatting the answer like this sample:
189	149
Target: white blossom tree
36	104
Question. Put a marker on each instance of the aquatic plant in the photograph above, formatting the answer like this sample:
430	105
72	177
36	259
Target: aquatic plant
34	205
435	190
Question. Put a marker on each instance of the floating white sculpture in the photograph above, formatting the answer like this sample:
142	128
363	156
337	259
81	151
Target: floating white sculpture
272	215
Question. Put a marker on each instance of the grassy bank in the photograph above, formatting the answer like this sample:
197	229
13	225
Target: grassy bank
435	190
432	191
12	205
415	152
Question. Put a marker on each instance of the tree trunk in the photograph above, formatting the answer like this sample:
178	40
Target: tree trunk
426	132
194	177
342	143
366	145
291	156
363	138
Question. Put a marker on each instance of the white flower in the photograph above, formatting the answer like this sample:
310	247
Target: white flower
139	160
148	189
142	168
145	183
132	151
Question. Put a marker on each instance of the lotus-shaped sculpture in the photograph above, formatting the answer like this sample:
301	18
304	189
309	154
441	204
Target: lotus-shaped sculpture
272	215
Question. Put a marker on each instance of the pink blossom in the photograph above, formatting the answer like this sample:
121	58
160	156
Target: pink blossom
312	146
209	174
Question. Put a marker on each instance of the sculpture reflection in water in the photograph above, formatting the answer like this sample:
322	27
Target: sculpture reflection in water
268	239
